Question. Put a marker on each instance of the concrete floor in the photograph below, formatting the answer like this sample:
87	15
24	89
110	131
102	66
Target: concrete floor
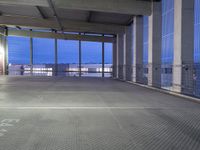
46	113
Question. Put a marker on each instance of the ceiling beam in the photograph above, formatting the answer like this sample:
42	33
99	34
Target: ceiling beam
130	21
51	5
89	18
70	26
131	7
3	30
43	16
60	36
18	27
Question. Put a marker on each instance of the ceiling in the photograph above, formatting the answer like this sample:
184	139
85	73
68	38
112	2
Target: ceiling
61	12
64	14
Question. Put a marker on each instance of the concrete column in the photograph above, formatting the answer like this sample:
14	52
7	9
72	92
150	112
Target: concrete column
183	46
31	53
155	45
120	57
103	58
56	57
6	54
3	52
138	49
129	52
1	55
80	57
114	60
124	56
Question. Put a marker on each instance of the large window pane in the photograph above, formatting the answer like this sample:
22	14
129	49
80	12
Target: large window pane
108	58
68	57
18	50
91	58
43	56
18	55
43	51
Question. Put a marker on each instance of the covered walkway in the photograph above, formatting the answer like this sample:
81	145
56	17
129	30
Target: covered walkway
58	113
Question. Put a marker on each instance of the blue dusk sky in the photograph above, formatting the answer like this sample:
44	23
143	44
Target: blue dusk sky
68	50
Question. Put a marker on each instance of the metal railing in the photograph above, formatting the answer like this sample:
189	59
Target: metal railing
59	70
164	76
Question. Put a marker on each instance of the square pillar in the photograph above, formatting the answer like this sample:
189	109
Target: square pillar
103	58
124	56
183	46
129	52
3	52
1	55
155	45
79	57
31	52
138	49
56	57
114	60
120	55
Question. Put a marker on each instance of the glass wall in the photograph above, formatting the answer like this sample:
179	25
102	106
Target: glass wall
167	42
145	48
91	59
197	48
43	56
68	57
18	55
43	62
108	58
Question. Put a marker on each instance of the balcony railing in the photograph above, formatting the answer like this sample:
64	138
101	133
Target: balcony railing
190	82
94	70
